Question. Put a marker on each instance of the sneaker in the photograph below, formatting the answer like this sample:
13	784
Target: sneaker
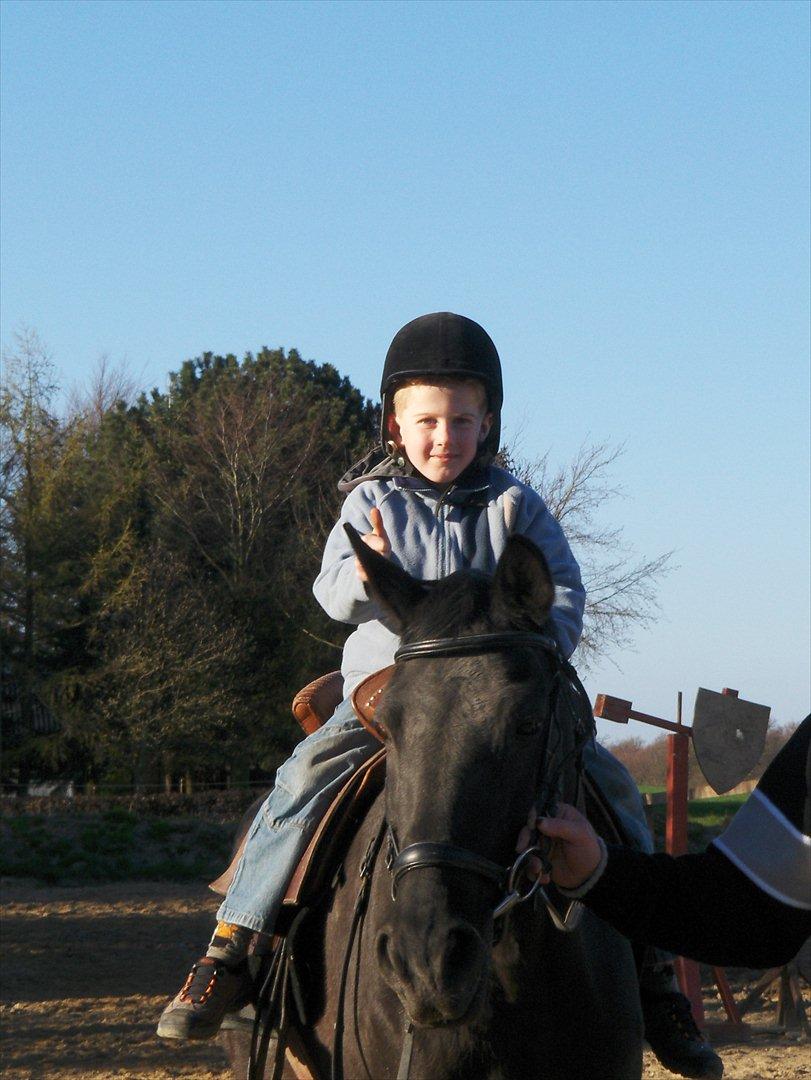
210	991
674	1037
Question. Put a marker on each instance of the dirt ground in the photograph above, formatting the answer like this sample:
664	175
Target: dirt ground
87	970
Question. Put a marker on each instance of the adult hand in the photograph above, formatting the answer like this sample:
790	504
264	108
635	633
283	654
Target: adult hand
574	853
377	540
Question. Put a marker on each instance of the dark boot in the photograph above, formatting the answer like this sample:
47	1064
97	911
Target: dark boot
674	1037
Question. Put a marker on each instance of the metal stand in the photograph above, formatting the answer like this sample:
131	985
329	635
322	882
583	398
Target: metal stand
678	750
790	1013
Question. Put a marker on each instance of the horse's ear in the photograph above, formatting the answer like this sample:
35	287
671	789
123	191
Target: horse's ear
395	589
523	591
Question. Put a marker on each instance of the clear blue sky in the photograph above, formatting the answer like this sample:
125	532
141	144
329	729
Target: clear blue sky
617	191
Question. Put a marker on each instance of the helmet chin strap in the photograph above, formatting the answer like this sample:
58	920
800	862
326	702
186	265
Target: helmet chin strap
396	452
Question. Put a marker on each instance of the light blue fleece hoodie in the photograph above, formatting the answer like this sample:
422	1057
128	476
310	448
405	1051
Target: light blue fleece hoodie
432	534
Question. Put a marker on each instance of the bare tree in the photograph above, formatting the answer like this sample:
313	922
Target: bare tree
29	438
227	465
620	586
110	383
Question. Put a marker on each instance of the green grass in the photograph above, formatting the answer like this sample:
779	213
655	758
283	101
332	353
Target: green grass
118	845
714	812
706	818
113	846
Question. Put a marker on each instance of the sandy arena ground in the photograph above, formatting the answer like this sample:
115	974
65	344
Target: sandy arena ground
86	972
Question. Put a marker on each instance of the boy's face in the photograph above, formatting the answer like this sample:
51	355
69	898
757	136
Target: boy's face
440	428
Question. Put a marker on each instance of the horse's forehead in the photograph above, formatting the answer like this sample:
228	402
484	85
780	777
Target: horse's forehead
469	578
453	688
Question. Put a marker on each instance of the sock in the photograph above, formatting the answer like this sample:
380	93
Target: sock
229	943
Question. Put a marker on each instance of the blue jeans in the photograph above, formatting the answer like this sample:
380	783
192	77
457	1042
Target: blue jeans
308	782
619	788
305	786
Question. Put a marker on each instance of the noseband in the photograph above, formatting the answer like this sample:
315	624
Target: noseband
427	854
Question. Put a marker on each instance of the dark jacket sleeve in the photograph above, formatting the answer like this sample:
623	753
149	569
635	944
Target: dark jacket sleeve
699	906
703	906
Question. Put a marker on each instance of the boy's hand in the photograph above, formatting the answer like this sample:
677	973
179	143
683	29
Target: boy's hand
376	540
574	853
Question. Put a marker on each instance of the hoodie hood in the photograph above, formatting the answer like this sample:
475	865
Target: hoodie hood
377	465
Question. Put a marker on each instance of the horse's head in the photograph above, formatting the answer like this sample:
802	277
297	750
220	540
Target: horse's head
472	736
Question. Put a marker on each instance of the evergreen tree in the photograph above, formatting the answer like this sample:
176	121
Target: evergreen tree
246	457
34	610
198	518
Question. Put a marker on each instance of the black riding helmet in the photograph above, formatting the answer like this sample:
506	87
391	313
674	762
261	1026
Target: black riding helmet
444	345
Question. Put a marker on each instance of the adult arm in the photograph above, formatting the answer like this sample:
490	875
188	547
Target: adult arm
701	906
744	901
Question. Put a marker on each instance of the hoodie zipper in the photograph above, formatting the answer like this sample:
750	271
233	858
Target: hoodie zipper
442	547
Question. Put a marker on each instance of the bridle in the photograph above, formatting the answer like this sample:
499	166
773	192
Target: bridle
513	880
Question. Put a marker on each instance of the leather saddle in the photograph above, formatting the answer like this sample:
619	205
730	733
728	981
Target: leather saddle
312	707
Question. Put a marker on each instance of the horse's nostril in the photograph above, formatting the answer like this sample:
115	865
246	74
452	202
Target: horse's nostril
462	953
383	950
387	955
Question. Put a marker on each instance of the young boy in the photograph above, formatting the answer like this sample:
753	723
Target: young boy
431	500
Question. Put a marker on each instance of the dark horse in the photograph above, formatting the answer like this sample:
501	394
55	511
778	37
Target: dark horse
477	731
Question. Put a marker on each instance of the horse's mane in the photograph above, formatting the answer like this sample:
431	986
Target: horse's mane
452	606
